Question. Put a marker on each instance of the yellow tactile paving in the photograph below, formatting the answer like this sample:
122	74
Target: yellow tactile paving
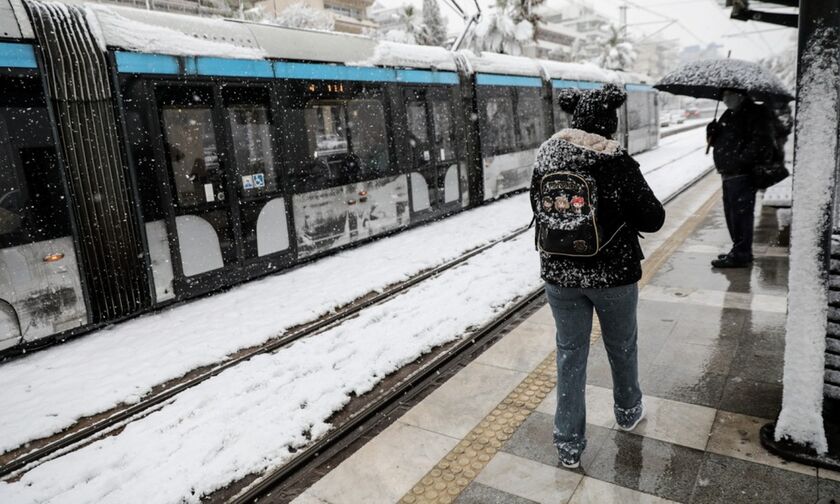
462	464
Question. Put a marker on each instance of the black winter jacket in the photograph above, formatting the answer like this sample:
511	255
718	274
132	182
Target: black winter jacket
624	197
742	138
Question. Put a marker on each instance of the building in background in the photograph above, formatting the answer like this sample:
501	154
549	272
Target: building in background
386	17
562	23
350	15
656	56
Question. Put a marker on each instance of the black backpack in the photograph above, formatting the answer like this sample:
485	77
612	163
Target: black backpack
567	215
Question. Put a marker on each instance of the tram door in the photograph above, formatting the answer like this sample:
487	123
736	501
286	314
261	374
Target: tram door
203	227
435	178
230	213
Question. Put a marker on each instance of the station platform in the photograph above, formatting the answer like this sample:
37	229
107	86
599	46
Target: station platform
711	346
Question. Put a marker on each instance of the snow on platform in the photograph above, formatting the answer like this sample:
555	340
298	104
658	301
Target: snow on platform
192	446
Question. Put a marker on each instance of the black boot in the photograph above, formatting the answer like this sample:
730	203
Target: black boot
728	261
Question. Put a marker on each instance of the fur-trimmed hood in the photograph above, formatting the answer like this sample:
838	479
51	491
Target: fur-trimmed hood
589	141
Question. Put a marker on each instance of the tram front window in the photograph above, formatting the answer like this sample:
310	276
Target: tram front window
32	205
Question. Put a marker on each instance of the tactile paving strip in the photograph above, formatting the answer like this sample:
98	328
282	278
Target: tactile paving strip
460	466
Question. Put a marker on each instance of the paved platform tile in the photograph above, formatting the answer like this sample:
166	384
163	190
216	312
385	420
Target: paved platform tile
829	491
714	357
734	481
716	298
647	465
750	397
476	493
593	491
542	316
828	474
526	478
676	422
522	349
736	435
460	403
308	498
385	468
683	385
534	440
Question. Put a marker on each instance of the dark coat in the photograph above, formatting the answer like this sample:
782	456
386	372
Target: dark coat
743	138
624	197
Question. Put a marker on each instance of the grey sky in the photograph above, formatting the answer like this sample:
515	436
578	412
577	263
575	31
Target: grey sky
698	22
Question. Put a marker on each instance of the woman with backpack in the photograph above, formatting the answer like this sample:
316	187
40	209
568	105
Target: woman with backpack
590	202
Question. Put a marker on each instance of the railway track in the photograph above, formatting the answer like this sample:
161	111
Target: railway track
113	422
365	419
102	427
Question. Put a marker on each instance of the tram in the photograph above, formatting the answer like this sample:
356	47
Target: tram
147	158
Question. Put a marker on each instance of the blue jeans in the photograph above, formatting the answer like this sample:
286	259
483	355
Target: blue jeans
572	311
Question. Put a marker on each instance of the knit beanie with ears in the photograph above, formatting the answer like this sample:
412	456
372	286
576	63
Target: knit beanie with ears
593	110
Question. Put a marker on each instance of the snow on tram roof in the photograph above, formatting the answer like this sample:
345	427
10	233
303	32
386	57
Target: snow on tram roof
578	71
502	63
395	54
174	34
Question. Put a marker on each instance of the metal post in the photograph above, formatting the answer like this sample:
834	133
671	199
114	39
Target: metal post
800	431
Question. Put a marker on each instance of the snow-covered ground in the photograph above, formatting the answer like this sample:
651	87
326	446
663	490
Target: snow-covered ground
193	446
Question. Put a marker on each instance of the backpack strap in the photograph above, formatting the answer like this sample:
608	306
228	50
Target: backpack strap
602	247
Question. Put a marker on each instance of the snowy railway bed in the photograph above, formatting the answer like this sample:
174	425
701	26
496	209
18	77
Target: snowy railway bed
106	423
663	187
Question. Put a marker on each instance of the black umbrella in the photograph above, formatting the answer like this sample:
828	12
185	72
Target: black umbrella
708	79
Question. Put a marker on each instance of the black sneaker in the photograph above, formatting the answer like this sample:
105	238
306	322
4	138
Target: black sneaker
730	262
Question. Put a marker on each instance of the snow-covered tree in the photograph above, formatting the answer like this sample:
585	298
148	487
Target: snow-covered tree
298	15
498	30
783	64
410	27
433	29
610	48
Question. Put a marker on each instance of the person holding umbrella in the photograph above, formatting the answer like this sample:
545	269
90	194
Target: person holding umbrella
744	139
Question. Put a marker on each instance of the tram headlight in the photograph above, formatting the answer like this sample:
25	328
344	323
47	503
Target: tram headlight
55	256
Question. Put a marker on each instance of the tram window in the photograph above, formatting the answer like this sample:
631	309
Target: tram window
32	203
530	114
637	114
442	117
368	138
193	156
561	118
326	129
250	127
498	135
417	127
347	140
